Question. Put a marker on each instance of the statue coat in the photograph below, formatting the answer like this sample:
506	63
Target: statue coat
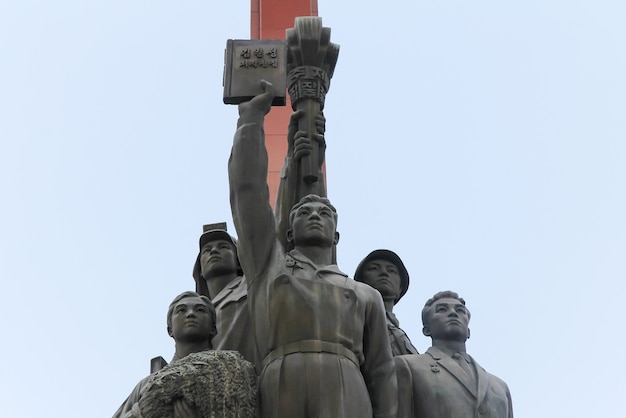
433	385
322	336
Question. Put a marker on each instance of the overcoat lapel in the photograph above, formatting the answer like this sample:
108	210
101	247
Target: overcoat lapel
453	368
483	382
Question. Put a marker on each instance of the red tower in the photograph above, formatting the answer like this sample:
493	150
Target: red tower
268	20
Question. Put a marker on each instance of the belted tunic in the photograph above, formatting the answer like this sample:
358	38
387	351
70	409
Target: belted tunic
322	336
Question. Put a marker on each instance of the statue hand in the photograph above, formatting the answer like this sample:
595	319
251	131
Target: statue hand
261	103
184	409
293	128
303	145
320	123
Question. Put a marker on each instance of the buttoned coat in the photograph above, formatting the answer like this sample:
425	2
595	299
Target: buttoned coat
234	328
322	336
433	385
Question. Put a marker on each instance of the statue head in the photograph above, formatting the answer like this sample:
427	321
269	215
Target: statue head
385	272
313	222
191	318
217	255
445	317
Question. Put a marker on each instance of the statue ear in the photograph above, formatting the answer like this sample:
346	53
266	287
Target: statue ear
426	331
289	235
468	333
336	240
169	332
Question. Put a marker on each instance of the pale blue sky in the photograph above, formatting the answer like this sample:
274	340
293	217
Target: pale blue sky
483	141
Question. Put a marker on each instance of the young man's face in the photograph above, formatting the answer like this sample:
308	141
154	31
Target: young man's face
383	276
449	321
313	224
218	257
191	320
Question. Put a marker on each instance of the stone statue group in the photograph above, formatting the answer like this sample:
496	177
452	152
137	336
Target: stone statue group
276	330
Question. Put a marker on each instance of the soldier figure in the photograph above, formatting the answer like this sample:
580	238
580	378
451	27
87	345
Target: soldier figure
385	272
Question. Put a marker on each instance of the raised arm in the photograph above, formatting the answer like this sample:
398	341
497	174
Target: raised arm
249	194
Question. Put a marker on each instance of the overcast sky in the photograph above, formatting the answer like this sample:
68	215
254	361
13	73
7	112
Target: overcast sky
483	141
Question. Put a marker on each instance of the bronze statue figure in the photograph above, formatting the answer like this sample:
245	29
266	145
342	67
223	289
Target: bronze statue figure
447	382
191	323
199	382
385	272
321	336
294	336
218	276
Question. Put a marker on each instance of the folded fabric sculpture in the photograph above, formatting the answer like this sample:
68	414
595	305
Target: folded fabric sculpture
217	383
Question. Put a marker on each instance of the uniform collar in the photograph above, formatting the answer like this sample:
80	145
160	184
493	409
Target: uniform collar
227	290
296	259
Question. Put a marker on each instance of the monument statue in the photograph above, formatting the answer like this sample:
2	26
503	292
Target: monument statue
198	382
385	272
218	276
321	336
322	343
446	381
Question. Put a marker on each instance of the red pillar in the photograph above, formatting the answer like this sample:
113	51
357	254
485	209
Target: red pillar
268	20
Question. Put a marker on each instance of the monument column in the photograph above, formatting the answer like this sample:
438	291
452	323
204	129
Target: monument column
269	19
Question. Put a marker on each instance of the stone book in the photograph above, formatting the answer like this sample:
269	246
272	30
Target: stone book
247	62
